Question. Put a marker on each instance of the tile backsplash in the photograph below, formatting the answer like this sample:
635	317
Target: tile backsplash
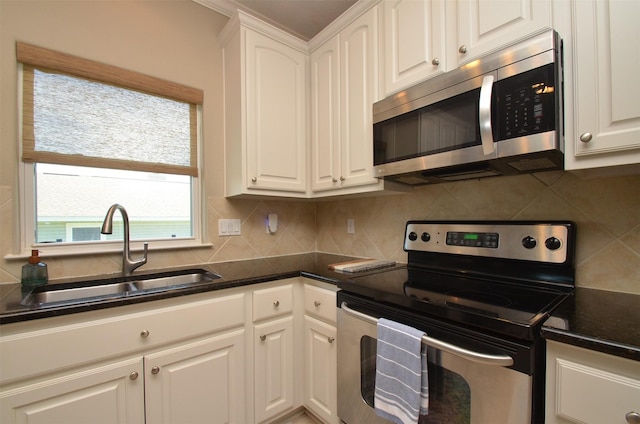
606	210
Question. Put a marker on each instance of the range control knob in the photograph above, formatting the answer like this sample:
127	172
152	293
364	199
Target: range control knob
413	236
529	242
552	243
425	237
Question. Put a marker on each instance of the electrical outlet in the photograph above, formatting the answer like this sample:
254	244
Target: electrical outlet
351	226
228	227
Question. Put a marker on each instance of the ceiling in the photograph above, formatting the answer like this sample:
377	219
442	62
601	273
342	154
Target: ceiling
302	18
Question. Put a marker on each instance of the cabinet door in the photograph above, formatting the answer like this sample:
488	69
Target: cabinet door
325	116
108	394
607	92
197	382
485	25
414	42
359	79
276	115
273	368
320	348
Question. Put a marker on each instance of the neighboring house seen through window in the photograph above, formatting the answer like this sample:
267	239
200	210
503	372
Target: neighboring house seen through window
94	135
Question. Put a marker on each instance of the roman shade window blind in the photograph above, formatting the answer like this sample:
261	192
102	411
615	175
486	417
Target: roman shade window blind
84	113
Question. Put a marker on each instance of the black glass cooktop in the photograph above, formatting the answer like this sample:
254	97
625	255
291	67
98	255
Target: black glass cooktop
509	308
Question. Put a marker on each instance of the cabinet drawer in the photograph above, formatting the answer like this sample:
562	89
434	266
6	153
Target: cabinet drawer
591	395
50	345
272	302
320	302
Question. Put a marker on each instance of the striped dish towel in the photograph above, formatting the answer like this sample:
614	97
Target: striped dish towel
402	391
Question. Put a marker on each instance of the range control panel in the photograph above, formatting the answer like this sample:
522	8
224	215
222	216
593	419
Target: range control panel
524	240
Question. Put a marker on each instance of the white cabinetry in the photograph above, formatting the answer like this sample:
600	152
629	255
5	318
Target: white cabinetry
414	42
273	336
198	382
265	84
485	25
344	86
320	351
425	38
88	367
606	92
110	393
590	387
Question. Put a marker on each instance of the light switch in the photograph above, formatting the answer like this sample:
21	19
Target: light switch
229	227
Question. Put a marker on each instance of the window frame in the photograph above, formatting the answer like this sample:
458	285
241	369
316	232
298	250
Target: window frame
27	205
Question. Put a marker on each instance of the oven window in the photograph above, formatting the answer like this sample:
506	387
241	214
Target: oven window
449	393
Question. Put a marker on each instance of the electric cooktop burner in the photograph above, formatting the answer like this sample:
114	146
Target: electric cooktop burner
509	285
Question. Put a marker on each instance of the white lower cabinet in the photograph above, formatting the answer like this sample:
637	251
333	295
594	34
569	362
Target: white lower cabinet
273	353
320	352
110	393
221	357
589	387
273	368
320	349
200	382
171	361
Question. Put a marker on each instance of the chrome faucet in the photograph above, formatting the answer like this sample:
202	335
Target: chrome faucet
128	265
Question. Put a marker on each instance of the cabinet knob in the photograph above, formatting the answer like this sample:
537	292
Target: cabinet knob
331	339
342	178
134	376
334	180
633	417
463	49
586	137
317	303
435	61
263	337
144	334
155	370
254	180
276	303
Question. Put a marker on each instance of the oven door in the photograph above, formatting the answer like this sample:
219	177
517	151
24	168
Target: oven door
464	386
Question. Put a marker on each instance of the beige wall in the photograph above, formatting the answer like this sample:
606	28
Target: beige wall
177	40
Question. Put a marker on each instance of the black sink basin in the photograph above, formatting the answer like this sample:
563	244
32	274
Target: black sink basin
95	290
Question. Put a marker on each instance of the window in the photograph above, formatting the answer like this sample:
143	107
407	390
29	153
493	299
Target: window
94	135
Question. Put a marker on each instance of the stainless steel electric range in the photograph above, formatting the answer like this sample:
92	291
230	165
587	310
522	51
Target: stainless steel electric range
480	290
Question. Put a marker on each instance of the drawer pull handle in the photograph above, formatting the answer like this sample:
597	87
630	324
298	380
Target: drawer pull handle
144	334
276	303
317	303
331	339
155	370
633	417
263	337
133	375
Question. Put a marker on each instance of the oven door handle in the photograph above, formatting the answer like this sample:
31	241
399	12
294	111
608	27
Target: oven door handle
477	357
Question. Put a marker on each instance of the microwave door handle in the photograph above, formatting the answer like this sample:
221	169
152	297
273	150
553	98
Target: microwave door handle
484	114
477	357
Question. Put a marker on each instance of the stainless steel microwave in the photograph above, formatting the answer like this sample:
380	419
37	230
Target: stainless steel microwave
498	115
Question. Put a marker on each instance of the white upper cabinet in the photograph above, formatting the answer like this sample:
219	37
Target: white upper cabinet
485	25
414	42
265	99
344	86
606	98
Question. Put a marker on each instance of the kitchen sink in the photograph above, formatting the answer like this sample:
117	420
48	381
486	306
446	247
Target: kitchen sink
113	288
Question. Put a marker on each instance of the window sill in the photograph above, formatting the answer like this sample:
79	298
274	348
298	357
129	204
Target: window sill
62	250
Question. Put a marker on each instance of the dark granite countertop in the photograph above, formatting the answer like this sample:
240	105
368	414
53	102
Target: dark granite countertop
233	273
599	320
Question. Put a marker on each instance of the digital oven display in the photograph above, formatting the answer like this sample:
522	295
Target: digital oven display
488	240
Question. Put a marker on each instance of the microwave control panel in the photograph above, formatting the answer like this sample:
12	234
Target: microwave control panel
525	103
